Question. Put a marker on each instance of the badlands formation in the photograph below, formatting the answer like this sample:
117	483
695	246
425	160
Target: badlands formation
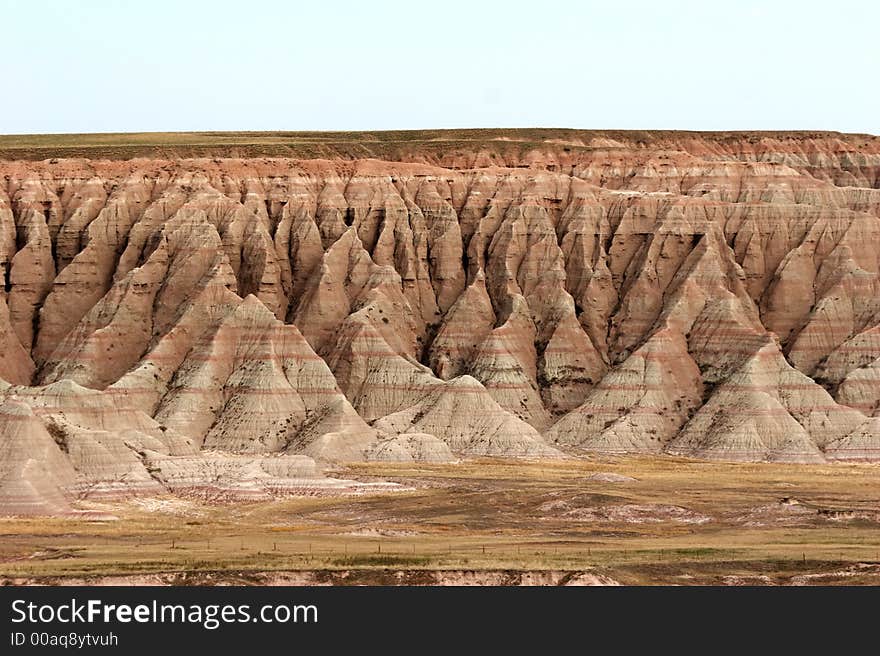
187	323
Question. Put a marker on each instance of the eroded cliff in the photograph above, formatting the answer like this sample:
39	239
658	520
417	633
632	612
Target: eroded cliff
710	296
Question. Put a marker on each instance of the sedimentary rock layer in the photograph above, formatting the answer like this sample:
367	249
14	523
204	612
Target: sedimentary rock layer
711	296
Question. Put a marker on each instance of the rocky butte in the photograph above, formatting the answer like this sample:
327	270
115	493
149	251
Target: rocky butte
238	311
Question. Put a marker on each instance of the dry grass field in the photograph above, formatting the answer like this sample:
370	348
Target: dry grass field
390	145
421	145
680	521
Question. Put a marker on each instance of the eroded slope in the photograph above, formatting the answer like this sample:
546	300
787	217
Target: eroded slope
708	297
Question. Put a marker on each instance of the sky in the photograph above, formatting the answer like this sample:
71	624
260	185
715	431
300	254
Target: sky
170	65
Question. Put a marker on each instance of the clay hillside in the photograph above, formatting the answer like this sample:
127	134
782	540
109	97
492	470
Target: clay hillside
302	298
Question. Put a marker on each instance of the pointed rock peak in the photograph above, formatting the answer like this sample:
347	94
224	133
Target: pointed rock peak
251	311
465	382
66	388
384	275
347	241
514	310
251	305
767	359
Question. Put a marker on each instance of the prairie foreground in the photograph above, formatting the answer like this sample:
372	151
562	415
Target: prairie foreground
615	520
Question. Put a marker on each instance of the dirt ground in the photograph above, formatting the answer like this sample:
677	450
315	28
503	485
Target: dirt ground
599	521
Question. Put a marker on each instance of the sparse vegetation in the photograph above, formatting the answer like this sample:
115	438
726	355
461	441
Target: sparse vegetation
496	515
391	144
369	560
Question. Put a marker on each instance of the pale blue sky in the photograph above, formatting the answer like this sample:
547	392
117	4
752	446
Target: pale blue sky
104	65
